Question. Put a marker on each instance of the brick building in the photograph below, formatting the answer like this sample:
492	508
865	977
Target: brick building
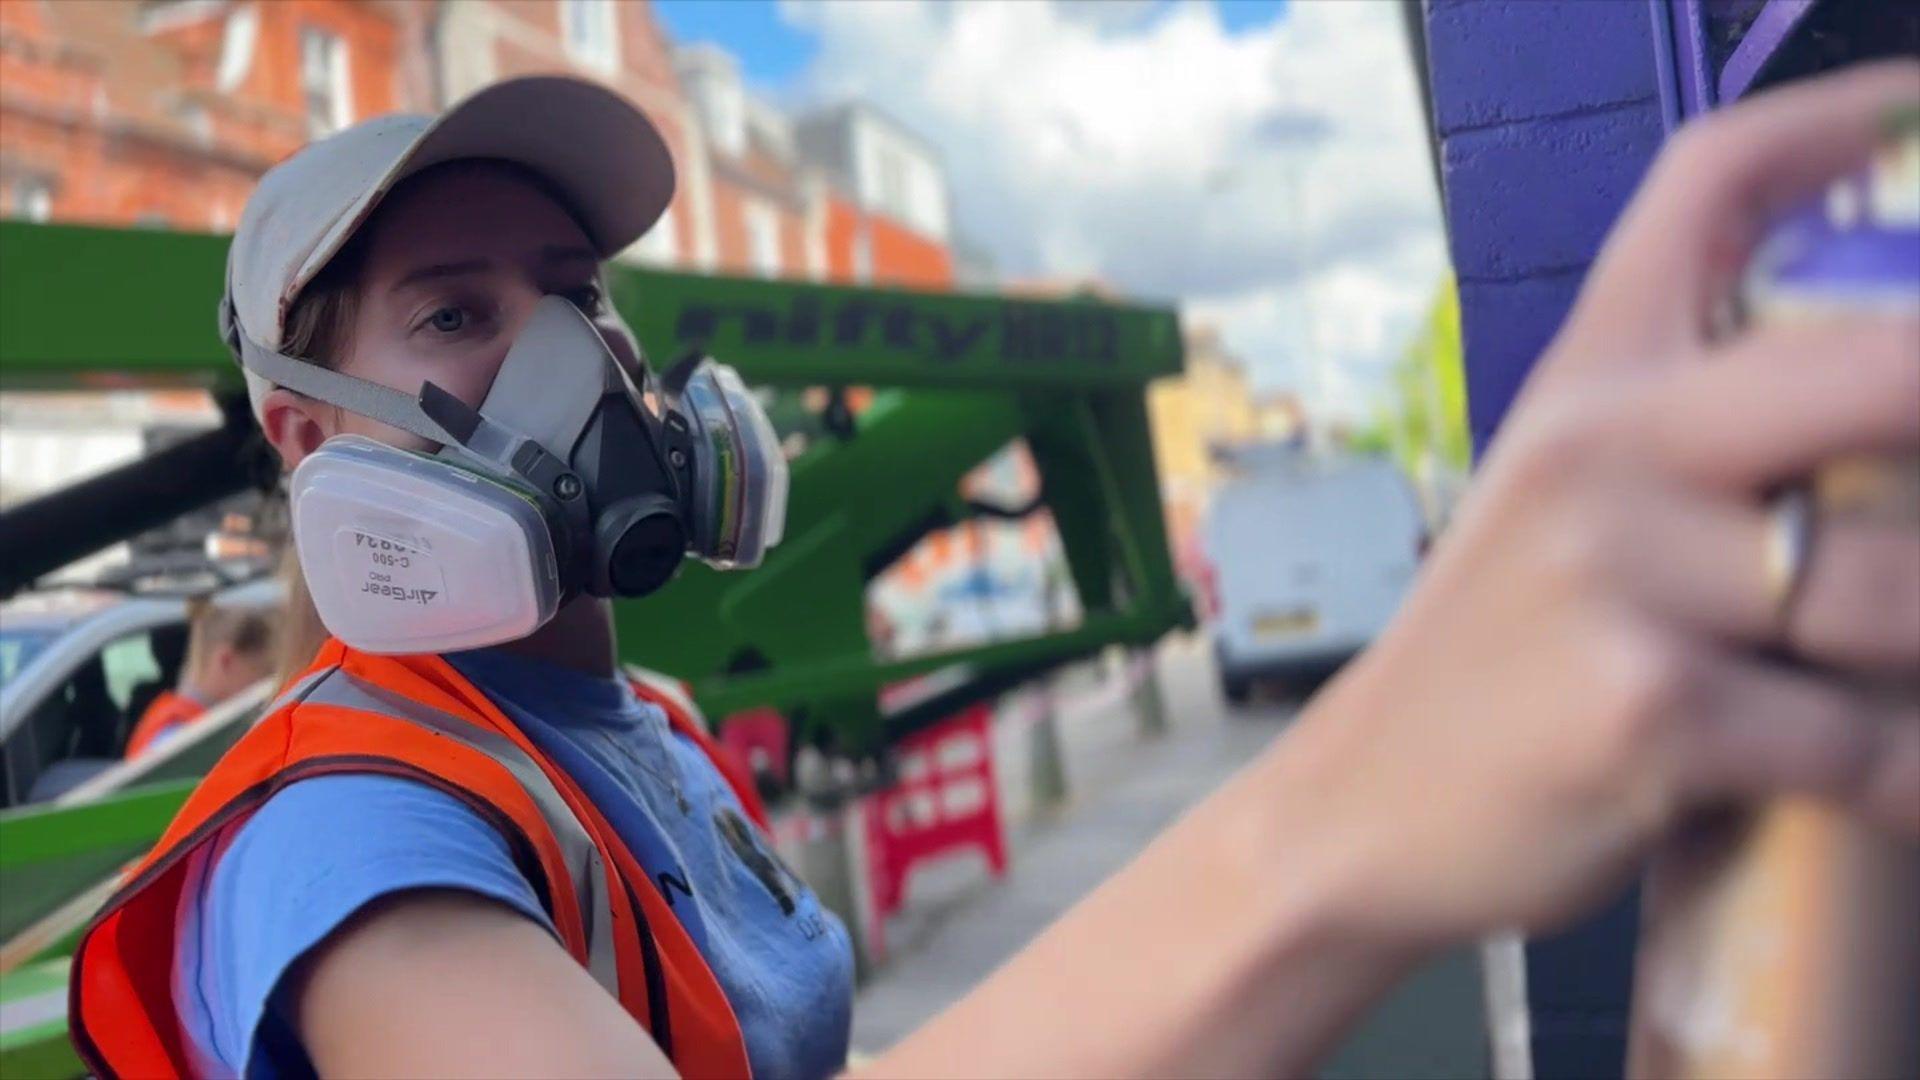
843	195
164	113
761	217
887	212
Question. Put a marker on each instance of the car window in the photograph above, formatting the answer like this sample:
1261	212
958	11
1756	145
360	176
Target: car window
88	715
128	663
18	647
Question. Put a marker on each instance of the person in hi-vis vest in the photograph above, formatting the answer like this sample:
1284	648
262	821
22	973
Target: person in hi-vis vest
228	650
460	843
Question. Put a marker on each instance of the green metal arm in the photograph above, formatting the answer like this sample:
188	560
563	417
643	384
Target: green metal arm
37	834
86	306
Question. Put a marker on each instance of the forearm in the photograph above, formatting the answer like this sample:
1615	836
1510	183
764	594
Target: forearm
1225	949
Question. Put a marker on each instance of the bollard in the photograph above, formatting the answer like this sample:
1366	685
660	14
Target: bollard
1147	699
1047	773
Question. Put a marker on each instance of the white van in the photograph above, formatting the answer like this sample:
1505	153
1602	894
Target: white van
1309	557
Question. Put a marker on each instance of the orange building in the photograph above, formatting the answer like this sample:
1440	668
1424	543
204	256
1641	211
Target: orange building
760	198
887	215
164	114
841	195
766	203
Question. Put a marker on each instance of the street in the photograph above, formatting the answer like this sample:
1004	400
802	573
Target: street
1124	788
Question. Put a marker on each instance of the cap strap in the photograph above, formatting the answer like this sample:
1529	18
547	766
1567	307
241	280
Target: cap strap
356	395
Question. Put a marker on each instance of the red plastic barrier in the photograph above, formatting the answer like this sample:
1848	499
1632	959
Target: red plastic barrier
757	739
944	801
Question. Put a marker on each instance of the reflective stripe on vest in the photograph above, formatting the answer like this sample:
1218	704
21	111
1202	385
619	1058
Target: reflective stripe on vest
584	866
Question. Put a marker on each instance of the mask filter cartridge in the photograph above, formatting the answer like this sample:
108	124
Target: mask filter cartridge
404	554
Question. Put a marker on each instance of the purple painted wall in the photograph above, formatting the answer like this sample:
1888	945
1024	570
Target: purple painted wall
1548	113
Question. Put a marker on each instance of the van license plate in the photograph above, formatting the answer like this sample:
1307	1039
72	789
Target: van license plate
1286	623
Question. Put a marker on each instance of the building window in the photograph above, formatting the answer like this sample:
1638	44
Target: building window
894	199
763	239
32	199
928	202
323	82
237	42
591	29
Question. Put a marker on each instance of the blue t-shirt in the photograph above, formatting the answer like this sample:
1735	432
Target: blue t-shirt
318	851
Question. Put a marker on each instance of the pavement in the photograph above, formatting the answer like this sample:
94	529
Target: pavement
1124	788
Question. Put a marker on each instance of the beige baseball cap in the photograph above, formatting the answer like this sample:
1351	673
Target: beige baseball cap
598	149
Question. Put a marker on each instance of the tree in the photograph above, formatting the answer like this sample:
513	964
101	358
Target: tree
1423	424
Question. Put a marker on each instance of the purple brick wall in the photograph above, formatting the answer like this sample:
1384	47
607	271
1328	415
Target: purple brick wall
1513	321
1548	114
1565	51
1537	196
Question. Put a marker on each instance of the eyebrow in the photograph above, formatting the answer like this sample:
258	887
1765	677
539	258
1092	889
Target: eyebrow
549	255
443	270
568	254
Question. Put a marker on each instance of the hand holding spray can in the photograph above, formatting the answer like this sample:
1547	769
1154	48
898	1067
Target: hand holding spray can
1784	940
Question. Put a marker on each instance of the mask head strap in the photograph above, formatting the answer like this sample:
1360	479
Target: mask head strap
369	399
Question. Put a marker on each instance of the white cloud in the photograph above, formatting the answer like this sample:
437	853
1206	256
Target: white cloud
1264	179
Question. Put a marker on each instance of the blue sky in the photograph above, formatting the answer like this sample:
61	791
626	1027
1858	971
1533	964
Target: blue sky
773	52
1238	15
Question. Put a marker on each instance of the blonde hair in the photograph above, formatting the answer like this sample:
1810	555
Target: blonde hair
211	625
319	331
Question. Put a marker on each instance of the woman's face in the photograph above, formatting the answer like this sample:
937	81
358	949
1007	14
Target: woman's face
455	261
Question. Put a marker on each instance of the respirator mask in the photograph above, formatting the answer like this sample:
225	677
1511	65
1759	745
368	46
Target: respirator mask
567	479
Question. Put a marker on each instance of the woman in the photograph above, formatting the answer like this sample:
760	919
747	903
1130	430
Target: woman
1581	665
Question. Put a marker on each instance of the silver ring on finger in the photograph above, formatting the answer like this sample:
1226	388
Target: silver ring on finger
1790	530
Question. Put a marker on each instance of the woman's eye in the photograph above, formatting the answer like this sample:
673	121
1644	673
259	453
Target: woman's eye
456	318
586	298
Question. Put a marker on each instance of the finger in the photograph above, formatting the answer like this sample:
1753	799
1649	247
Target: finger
1766	731
1858	606
1892	788
1686	236
1890	794
1778	403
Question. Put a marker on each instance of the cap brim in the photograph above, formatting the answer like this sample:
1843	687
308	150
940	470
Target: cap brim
595	146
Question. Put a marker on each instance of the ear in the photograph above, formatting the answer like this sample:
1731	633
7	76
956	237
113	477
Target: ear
294	425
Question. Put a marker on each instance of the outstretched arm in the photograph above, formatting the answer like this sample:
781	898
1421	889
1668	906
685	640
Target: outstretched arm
1578	667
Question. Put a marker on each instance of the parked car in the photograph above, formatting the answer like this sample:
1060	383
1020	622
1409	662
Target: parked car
77	668
1309	557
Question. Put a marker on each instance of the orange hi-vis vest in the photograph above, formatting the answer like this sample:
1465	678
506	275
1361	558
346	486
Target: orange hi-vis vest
167	711
418	718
